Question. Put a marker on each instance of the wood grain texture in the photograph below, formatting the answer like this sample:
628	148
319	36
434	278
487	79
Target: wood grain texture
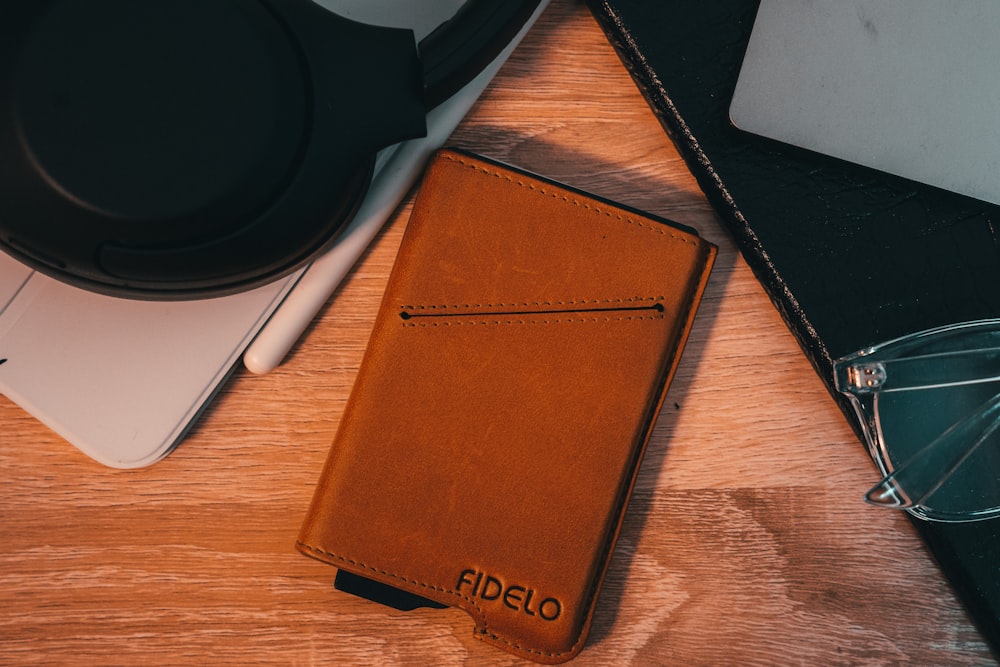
746	542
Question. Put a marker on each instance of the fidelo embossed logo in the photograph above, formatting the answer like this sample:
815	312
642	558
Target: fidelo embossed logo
514	597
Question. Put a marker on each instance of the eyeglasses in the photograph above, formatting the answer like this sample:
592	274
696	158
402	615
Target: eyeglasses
929	405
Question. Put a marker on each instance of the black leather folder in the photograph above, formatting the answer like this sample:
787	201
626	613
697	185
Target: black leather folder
848	255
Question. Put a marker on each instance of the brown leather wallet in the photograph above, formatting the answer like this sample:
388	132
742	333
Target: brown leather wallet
518	361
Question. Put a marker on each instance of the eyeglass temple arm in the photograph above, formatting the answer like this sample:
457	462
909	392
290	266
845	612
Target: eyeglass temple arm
920	476
862	376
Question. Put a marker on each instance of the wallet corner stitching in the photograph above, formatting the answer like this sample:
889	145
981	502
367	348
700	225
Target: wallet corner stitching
662	230
485	630
371	568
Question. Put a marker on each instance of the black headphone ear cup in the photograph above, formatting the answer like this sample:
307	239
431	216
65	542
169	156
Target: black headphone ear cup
192	148
139	127
230	146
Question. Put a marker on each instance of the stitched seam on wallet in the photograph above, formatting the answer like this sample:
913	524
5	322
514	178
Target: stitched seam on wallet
535	304
575	311
560	195
494	322
440	589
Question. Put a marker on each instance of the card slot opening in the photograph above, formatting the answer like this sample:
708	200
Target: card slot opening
409	314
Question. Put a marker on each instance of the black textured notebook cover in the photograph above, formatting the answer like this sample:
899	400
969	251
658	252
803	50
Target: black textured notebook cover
848	255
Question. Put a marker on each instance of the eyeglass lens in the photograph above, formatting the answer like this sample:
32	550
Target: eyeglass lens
909	420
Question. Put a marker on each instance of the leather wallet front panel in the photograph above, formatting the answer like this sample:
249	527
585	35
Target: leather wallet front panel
516	367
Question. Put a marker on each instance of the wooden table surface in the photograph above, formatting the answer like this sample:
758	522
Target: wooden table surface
746	542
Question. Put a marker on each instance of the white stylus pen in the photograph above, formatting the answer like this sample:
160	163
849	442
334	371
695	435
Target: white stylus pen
396	171
399	170
321	278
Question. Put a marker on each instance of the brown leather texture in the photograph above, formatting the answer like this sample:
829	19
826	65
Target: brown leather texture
521	353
